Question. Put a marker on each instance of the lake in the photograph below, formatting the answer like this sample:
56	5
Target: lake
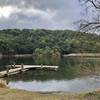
75	74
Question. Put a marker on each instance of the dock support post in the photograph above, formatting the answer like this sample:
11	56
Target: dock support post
14	64
22	67
55	69
7	70
41	66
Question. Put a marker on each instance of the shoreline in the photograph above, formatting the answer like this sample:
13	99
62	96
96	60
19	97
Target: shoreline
18	55
82	55
65	55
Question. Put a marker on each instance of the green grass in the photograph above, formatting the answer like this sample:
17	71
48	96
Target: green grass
13	94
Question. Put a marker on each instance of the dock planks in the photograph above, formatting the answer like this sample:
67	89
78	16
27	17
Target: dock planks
21	68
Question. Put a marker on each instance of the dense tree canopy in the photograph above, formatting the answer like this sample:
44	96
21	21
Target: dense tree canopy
65	41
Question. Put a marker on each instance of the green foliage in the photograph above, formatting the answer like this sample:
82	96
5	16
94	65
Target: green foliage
41	56
65	41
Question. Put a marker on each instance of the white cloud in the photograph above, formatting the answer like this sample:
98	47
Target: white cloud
43	14
39	14
6	11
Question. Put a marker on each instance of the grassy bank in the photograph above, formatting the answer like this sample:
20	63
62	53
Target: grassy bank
13	94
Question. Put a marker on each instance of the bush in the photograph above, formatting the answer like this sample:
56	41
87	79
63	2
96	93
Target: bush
46	56
3	84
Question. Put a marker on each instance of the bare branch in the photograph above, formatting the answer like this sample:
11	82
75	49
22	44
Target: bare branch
94	3
97	6
92	24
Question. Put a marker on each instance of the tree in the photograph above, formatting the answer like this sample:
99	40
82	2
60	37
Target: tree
28	41
93	23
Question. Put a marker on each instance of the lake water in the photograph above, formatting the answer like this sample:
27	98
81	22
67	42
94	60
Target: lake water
75	74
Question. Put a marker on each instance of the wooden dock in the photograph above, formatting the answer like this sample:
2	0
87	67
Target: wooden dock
14	69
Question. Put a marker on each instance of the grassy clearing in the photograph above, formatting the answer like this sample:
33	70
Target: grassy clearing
13	94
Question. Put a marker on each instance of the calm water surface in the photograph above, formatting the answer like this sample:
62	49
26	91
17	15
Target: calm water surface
73	75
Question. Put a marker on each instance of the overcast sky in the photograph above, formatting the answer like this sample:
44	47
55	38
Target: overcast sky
47	14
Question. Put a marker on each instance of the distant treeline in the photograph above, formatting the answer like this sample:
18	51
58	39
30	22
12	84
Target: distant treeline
28	41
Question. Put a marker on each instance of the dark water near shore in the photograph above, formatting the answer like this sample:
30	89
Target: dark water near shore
75	74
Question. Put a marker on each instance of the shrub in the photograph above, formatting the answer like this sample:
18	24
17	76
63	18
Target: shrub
3	83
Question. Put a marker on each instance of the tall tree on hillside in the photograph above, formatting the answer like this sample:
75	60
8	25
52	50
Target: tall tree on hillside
92	23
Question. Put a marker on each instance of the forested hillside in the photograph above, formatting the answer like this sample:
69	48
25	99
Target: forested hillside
27	41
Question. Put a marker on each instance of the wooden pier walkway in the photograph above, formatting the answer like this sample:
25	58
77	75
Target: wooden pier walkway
21	68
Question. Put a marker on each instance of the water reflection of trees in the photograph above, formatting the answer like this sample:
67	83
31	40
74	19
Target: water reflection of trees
47	56
90	66
69	68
